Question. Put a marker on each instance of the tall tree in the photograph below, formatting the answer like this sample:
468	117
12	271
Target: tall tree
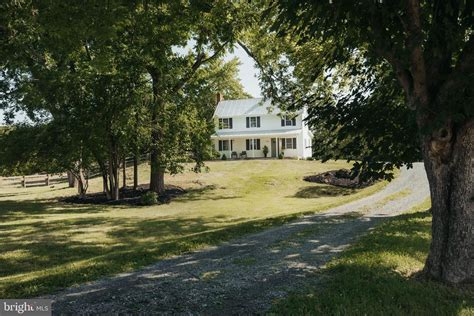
192	35
429	47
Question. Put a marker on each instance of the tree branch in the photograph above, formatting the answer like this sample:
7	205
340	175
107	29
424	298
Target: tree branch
464	66
259	64
403	75
417	60
200	60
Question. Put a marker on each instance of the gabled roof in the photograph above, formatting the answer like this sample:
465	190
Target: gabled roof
245	107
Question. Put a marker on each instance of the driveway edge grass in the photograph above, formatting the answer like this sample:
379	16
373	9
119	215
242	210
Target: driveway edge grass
378	276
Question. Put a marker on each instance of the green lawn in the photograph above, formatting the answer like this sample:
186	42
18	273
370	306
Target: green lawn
378	276
46	245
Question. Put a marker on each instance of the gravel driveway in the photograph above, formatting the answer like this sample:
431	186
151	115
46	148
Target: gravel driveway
246	275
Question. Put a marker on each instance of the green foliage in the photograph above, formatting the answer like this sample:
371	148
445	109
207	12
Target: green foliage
370	124
350	64
149	198
265	151
98	76
224	157
281	155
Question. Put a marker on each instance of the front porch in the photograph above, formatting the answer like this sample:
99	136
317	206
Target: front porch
250	147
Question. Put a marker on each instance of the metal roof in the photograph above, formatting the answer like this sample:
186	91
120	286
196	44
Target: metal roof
245	107
279	132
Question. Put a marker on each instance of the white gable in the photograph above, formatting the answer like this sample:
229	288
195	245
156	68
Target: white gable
245	107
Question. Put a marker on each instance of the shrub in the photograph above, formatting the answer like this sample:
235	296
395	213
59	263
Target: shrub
280	155
215	154
149	198
265	151
224	157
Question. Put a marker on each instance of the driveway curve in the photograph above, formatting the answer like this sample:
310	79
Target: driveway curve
246	275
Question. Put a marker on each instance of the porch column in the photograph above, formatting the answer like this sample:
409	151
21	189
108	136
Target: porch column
278	146
253	147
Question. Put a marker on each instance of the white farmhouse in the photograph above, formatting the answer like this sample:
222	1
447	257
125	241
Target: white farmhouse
244	127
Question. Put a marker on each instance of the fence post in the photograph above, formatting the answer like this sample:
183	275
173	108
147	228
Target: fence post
23	182
47	179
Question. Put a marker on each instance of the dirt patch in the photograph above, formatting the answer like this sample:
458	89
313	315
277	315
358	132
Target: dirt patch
341	178
128	196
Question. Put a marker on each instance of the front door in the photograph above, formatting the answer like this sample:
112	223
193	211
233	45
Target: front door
274	149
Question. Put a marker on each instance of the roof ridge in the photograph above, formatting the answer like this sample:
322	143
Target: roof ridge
245	99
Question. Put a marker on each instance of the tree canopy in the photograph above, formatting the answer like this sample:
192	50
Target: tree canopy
423	50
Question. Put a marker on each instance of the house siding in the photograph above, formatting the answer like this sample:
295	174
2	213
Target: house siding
268	122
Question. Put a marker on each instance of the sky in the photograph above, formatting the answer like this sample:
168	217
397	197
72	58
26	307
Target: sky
247	72
247	75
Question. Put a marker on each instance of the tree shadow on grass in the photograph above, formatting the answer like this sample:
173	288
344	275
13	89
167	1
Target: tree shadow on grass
66	262
374	277
9	208
202	193
318	191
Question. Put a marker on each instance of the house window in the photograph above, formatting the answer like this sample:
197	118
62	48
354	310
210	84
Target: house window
225	145
288	143
252	144
253	121
288	121
225	123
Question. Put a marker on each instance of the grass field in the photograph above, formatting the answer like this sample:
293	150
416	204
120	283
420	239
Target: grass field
46	245
377	276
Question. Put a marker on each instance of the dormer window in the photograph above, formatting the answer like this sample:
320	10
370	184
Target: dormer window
288	121
253	121
225	123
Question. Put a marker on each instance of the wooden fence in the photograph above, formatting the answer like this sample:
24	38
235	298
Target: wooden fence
38	180
35	180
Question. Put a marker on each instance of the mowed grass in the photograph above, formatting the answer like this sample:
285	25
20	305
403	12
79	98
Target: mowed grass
379	275
47	245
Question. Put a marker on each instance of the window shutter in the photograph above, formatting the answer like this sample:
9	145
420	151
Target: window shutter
293	121
230	123
258	121
282	121
247	144
258	144
294	143
220	124
220	145
248	121
231	144
283	145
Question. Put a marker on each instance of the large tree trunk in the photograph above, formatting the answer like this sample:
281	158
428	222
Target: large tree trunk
156	168
449	162
71	179
105	178
124	172
157	174
105	186
135	172
82	184
114	172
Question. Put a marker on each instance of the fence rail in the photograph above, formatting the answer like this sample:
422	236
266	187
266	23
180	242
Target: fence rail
35	180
